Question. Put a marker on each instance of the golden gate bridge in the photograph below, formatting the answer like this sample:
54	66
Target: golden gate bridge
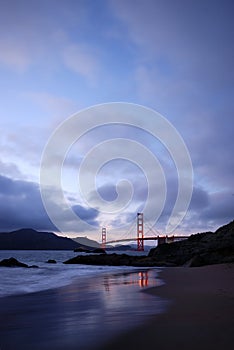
140	237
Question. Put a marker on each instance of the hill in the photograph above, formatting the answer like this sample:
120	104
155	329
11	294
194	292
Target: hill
84	241
29	239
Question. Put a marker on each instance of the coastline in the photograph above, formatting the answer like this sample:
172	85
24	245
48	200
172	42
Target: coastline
200	314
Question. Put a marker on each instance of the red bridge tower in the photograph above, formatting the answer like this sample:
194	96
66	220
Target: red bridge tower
140	232
103	238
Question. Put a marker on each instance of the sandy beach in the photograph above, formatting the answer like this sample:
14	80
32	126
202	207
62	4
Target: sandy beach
200	314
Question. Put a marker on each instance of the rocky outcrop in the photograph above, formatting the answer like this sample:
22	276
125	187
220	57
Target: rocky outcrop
116	260
12	262
51	261
108	259
82	250
94	250
121	247
99	251
200	249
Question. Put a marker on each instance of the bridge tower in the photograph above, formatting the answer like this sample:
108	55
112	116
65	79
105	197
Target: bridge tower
103	238
140	232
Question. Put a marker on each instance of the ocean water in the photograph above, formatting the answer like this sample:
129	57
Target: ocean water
92	305
21	280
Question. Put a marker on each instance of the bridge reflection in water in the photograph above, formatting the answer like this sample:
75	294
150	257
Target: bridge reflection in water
140	278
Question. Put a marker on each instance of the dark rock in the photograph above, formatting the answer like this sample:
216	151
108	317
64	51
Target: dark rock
12	262
33	267
82	250
121	247
51	261
111	260
85	250
99	250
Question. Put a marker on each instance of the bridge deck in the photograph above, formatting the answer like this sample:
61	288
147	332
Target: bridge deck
153	238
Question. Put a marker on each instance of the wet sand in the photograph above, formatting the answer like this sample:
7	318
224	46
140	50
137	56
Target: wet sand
200	314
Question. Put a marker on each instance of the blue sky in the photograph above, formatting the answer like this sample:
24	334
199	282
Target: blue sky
60	57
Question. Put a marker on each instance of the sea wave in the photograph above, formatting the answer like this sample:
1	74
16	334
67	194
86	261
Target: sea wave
46	276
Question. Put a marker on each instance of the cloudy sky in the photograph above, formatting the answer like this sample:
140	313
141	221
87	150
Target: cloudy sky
60	57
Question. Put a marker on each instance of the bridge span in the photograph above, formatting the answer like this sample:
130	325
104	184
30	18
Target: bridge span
140	238
161	239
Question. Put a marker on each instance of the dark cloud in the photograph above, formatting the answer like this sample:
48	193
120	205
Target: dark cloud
220	209
200	200
21	206
88	215
108	192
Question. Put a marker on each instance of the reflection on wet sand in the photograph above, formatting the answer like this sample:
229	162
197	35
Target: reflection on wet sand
141	279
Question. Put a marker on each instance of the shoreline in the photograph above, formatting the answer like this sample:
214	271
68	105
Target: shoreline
84	314
200	313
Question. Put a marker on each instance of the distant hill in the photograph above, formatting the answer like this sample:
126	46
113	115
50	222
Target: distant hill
29	239
84	241
89	243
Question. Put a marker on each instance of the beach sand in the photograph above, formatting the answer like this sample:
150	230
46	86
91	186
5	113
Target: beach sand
200	314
